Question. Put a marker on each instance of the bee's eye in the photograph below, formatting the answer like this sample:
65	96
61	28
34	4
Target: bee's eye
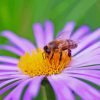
47	50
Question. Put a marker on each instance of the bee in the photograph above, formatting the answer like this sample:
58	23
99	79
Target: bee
60	44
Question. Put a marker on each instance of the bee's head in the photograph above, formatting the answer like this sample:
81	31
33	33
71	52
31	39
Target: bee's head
47	49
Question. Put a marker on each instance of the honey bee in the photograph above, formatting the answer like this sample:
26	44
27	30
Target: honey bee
60	44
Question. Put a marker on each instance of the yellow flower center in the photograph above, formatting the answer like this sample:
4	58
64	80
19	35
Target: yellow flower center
35	64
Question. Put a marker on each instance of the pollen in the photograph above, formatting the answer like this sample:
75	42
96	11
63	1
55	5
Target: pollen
36	64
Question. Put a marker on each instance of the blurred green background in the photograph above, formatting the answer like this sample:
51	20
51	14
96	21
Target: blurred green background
19	15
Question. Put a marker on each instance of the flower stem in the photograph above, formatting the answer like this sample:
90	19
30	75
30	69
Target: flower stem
44	92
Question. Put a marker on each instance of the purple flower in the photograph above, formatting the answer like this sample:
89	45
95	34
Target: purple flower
85	64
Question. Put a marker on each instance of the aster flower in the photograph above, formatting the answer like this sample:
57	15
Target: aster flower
30	69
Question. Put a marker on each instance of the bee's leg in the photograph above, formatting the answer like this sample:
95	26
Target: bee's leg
43	55
52	55
69	52
60	56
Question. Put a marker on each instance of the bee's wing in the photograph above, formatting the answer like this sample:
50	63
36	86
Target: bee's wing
62	36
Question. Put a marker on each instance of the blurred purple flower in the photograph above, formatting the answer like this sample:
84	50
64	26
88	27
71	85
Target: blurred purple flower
84	66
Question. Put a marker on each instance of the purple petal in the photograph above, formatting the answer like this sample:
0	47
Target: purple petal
80	33
61	89
68	28
49	32
90	67
8	67
7	59
88	41
89	63
8	73
84	90
29	44
94	49
39	35
18	90
16	40
33	88
87	50
85	60
13	76
94	73
8	81
86	77
11	49
9	87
